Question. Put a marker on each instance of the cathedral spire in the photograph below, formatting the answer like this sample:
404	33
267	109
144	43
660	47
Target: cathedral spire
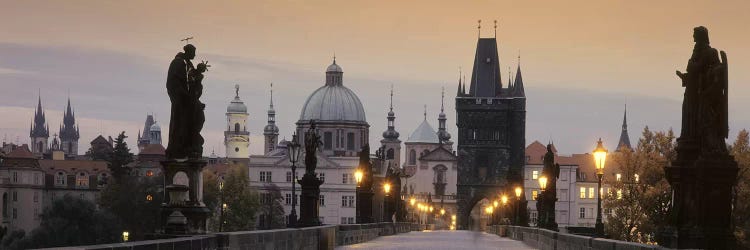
443	135
518	84
624	143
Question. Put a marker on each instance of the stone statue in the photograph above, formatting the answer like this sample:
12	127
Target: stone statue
705	105
312	143
546	201
184	87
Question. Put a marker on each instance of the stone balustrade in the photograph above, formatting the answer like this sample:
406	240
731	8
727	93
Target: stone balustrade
322	237
551	240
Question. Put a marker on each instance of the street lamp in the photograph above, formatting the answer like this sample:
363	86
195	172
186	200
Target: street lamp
600	157
125	236
221	211
358	177
542	198
294	150
518	190
386	205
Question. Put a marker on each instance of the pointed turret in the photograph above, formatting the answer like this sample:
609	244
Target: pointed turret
624	143
39	133
69	134
518	90
271	131
443	136
391	134
390	137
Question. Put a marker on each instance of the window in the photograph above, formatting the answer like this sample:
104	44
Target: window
390	154
15	196
343	220
534	193
236	127
15	213
327	140
265	176
15	176
322	200
82	180
583	193
350	220
533	216
412	157
287	199
582	214
350	141
637	177
619	194
591	193
563	175
347	178
534	175
36	213
347	201
149	173
288	176
618	177
36	196
322	177
36	179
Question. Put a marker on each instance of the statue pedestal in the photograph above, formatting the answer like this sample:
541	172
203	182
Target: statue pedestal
309	207
183	211
364	206
702	209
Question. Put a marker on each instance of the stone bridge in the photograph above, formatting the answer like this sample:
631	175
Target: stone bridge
380	236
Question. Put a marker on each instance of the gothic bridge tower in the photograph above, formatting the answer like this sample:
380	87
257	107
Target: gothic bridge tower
491	124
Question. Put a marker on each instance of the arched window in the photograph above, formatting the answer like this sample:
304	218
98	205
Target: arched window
237	127
70	148
40	147
60	178
412	157
82	180
389	154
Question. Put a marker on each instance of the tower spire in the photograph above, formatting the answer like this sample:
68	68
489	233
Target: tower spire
495	29
391	97
442	100
425	111
624	143
391	134
271	95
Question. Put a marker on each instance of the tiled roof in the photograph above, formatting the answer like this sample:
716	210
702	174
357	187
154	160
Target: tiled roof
153	149
21	152
52	166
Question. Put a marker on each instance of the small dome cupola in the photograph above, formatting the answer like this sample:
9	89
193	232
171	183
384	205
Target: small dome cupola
237	106
334	74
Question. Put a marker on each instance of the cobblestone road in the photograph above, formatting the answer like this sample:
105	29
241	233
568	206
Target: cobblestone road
438	240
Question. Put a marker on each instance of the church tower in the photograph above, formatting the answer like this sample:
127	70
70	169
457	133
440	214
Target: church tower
443	136
155	134
39	131
491	123
69	133
271	131
624	143
144	137
390	138
236	137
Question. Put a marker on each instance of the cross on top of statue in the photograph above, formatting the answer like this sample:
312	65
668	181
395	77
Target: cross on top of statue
186	40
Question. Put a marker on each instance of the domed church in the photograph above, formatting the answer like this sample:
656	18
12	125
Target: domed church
339	117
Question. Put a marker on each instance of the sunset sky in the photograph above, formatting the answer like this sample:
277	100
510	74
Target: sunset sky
582	61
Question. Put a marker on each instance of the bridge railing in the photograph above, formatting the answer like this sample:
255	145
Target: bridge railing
552	240
322	237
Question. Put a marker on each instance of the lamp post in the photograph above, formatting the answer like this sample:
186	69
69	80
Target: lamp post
600	157
293	152
412	202
386	206
504	200
518	190
221	209
542	199
495	204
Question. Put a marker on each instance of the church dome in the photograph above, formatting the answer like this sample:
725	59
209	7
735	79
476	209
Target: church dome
391	134
271	128
155	127
333	102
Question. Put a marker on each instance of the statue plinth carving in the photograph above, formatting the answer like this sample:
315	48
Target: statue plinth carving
703	175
